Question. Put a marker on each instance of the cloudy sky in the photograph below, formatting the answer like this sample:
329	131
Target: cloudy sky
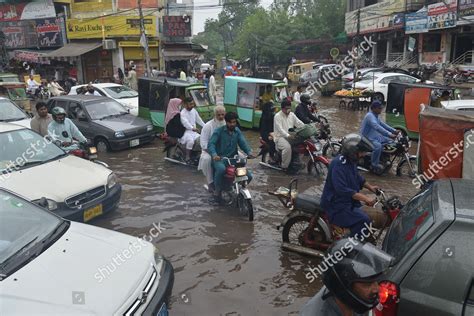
200	15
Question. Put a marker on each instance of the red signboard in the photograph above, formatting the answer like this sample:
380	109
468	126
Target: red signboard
11	12
129	4
176	26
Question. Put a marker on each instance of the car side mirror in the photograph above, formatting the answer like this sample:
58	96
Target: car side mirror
43	202
81	116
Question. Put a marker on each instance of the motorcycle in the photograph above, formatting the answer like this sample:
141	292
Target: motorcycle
176	152
463	76
331	147
234	187
307	230
43	93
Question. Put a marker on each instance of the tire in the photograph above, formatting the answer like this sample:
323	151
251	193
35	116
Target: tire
318	169
102	145
378	96
300	223
403	169
342	104
245	206
331	149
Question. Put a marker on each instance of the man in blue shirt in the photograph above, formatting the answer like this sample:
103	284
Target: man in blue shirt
377	132
341	198
224	142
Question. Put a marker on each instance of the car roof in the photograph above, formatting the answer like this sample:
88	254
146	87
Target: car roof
98	85
80	97
454	104
249	79
7	127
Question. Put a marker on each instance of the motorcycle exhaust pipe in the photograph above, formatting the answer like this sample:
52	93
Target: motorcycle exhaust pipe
302	250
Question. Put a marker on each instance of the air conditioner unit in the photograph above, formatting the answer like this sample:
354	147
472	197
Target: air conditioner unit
109	44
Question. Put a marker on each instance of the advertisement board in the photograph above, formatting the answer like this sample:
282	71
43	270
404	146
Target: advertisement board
29	10
442	15
177	26
416	22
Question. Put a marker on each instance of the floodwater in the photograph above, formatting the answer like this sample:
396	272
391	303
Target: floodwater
224	265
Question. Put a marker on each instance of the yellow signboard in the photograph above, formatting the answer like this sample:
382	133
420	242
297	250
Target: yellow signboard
137	44
109	27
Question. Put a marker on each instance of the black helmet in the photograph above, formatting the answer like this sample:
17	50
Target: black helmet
305	99
354	143
360	263
58	111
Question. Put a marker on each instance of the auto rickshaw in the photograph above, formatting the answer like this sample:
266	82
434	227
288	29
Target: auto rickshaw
155	93
13	89
446	145
404	100
243	96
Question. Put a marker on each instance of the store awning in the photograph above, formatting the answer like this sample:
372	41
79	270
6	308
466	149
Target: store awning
182	51
31	56
72	51
179	55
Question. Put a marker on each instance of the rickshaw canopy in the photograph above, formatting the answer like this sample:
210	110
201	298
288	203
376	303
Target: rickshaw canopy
231	87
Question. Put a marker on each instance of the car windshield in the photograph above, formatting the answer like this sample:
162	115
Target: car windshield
414	220
23	148
121	92
23	227
200	97
103	109
9	112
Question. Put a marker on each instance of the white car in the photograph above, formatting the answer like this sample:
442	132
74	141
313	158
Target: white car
72	187
378	82
51	266
122	94
10	112
347	79
460	105
312	75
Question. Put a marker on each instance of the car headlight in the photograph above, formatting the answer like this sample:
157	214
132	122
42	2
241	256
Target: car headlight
49	204
111	180
119	134
149	128
240	172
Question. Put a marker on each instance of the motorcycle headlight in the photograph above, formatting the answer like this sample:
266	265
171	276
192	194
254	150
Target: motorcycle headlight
92	150
149	128
318	146
240	172
119	134
111	180
49	204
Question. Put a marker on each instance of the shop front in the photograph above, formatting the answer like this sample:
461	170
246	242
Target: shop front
134	52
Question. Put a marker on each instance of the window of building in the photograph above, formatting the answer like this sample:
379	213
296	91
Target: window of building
431	43
370	2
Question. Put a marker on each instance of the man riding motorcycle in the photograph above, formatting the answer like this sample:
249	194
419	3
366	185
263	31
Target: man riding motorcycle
341	197
63	131
351	285
303	112
283	122
224	142
378	133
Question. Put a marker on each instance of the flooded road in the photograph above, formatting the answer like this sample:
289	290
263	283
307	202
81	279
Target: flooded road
224	265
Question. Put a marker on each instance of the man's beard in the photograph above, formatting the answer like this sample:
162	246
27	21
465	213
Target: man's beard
220	123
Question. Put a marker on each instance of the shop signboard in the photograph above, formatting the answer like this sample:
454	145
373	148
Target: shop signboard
442	15
49	32
28	10
42	33
177	26
416	22
466	12
130	4
109	26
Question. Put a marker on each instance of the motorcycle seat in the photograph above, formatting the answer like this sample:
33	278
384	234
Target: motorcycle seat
308	203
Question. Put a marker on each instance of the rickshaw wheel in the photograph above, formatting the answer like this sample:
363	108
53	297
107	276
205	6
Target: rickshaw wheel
342	104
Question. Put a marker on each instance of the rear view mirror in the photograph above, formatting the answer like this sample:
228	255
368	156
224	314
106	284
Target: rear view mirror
81	116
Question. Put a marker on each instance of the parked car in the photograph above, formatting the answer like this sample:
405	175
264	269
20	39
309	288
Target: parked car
434	257
379	83
347	79
51	266
105	121
72	187
460	105
312	75
10	112
122	94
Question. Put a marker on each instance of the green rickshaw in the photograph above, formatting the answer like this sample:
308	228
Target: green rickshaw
155	93
13	89
245	96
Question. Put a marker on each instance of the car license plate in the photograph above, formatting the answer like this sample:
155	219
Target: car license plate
163	310
238	179
92	212
134	142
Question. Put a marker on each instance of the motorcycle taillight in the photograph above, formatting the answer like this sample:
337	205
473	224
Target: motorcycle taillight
389	296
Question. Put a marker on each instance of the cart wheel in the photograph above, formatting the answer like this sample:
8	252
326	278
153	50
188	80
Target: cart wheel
342	104
350	105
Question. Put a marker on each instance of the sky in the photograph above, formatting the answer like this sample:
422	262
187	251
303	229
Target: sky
200	15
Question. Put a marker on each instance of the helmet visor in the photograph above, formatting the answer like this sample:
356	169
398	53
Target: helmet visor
370	262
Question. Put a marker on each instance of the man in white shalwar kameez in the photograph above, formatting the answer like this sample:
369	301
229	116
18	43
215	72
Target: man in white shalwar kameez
189	118
205	162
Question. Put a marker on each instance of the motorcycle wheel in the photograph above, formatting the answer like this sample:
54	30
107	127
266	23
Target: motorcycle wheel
296	226
458	79
403	169
318	169
331	149
245	206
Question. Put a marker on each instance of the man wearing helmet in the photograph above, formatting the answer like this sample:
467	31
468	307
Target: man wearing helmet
63	131
341	198
303	112
351	284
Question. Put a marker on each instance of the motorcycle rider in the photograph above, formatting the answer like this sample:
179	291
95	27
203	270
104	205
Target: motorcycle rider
189	118
205	161
63	130
33	86
341	197
378	133
303	111
266	128
283	122
224	142
351	284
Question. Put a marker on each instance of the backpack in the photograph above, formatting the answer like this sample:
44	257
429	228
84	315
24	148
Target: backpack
175	128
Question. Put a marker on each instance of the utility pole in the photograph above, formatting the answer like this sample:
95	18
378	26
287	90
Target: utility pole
144	40
355	43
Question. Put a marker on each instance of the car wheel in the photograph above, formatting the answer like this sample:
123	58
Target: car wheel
102	145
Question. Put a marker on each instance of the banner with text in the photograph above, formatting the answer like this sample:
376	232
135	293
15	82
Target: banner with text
27	11
442	15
